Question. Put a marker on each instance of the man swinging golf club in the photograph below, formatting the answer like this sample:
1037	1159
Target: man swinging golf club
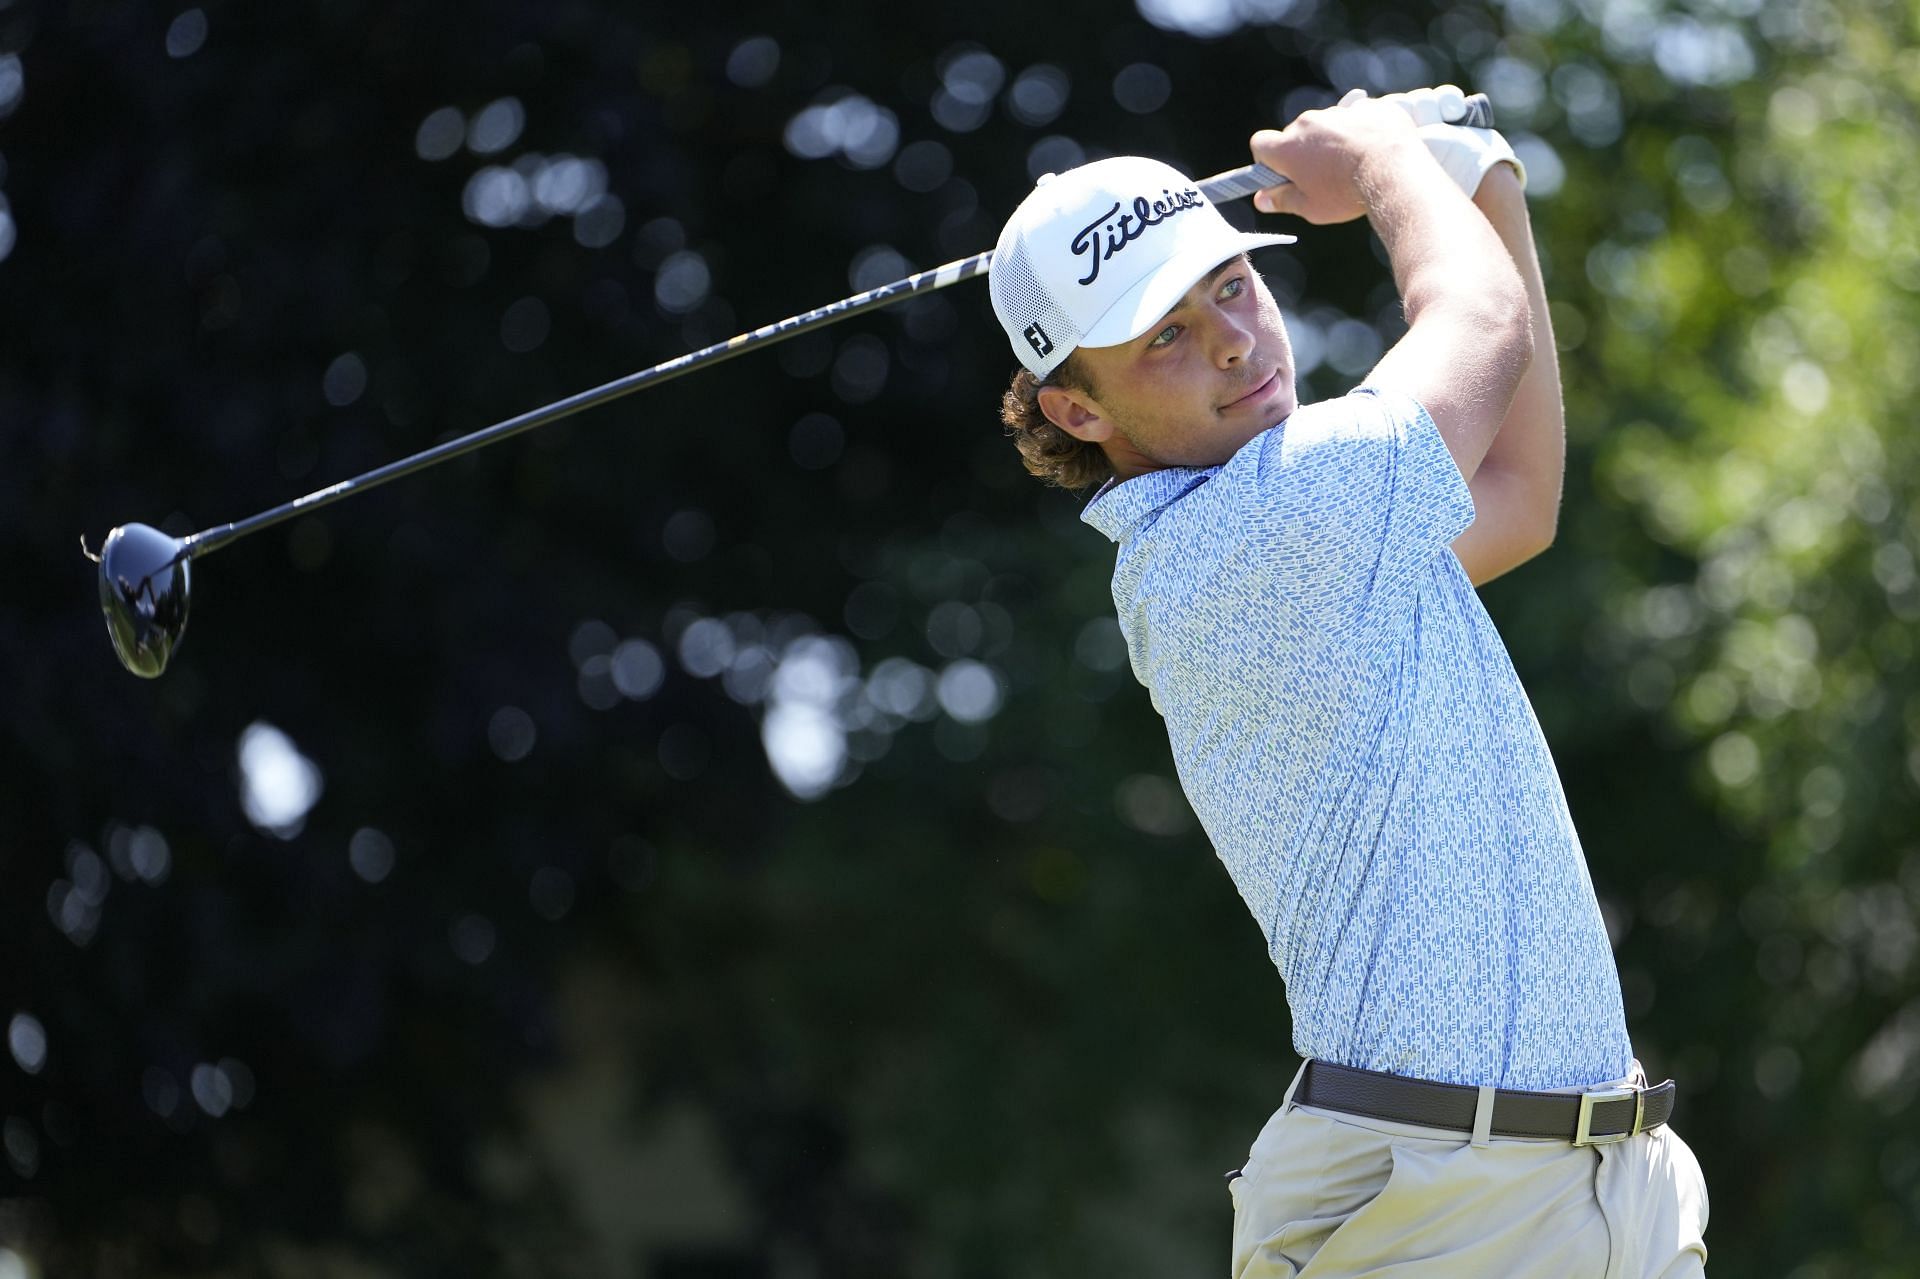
1296	589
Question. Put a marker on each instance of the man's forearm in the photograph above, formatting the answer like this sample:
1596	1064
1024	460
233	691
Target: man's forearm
1470	339
1529	453
1441	255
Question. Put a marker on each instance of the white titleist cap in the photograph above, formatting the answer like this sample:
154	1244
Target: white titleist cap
1095	255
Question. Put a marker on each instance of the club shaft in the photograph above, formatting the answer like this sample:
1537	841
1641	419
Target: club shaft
1235	184
213	539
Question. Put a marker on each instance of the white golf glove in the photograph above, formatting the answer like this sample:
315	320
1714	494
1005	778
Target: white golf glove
1466	153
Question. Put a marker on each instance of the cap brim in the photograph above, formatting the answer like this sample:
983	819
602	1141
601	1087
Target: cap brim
1140	307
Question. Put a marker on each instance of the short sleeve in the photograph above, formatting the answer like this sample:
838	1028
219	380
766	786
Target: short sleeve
1349	503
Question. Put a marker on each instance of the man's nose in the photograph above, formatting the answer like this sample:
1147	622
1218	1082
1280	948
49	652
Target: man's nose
1230	339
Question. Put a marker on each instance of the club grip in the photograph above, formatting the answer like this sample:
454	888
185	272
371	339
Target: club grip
1238	184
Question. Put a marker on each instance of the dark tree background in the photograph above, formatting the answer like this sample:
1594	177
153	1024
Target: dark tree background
718	835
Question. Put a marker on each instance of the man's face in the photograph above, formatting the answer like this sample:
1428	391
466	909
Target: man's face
1214	372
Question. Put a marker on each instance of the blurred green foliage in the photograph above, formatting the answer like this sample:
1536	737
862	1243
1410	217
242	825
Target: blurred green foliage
556	977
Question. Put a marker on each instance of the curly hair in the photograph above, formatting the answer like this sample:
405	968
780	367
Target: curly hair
1045	450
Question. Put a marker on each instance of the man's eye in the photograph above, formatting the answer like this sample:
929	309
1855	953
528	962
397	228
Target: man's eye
1165	335
1233	288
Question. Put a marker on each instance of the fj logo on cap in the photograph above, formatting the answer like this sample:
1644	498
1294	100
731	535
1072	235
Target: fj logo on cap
1106	235
1037	339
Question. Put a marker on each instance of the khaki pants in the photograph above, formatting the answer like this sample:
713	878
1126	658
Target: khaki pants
1326	1195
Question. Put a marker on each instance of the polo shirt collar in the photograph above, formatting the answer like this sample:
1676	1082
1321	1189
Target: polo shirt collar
1122	508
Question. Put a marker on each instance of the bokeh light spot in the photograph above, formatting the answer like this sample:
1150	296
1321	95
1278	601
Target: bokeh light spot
682	282
706	647
22	1145
1101	645
591	638
638	670
862	133
568	184
600	222
147	857
1689	51
1038	95
525	326
805	748
1734	759
496	196
212	1090
860	369
1514	86
902	687
1202	18
954	629
472	938
511	734
749	677
278	785
656	240
1153	805
371	854
239	1081
186	33
496	126
969	691
923	166
688	535
1054	153
875	265
13	83
969	79
754	61
27	1041
816	441
345	380
1353	347
1142	88
440	134
1546	172
595	683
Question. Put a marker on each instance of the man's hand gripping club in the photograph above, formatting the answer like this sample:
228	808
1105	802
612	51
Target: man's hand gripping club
1467	153
1469	338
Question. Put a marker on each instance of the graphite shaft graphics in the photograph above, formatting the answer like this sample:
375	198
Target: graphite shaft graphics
1236	184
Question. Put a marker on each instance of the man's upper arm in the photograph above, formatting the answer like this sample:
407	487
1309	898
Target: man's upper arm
1504	534
1463	371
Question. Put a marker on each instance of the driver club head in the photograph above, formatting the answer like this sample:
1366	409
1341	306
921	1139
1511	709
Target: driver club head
143	592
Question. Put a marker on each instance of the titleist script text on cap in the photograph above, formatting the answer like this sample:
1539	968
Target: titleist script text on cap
1129	227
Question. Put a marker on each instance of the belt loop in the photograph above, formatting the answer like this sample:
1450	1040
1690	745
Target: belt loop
1286	1102
1483	1118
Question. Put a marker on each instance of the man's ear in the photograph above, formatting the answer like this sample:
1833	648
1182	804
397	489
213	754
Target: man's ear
1075	413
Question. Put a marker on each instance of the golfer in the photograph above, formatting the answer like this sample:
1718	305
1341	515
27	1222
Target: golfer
1296	589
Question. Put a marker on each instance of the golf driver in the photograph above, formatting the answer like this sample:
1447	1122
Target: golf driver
145	575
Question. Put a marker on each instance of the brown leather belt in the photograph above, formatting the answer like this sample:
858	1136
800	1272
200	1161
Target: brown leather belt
1585	1119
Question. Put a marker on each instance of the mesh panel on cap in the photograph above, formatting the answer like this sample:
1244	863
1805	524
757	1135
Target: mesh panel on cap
1035	323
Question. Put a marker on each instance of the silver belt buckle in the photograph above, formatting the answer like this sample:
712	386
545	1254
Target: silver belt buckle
1583	1134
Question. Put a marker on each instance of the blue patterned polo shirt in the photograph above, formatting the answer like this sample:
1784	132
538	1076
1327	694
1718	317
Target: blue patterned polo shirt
1351	732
